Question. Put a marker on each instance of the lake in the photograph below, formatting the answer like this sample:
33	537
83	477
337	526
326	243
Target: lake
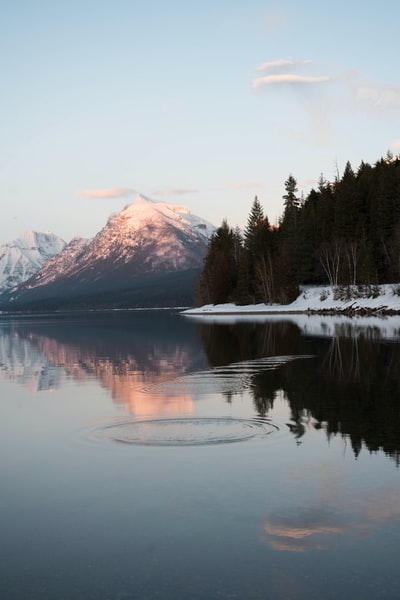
148	455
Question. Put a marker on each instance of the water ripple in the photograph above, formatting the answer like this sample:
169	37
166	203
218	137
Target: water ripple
234	377
193	431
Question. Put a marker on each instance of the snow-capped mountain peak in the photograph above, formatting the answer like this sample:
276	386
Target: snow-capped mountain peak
158	236
143	211
146	239
23	257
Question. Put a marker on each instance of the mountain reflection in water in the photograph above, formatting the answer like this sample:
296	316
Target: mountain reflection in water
123	355
348	385
180	458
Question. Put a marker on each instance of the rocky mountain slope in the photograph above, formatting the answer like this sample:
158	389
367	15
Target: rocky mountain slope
23	257
148	246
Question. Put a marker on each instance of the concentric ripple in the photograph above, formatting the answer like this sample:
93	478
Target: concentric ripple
231	378
185	431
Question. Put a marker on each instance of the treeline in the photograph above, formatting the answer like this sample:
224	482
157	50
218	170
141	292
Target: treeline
345	233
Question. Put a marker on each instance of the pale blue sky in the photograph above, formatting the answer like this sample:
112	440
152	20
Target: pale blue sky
205	104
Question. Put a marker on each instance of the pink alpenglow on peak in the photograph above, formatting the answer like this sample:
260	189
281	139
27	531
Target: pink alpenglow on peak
147	241
146	210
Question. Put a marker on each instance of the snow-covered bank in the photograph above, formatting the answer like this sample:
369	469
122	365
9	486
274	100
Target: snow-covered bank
383	299
377	318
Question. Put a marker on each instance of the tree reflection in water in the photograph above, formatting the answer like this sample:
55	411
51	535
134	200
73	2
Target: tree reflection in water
351	387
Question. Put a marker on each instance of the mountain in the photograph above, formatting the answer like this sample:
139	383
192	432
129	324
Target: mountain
149	254
23	257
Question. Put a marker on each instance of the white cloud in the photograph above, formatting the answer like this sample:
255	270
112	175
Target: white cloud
324	97
281	63
106	193
280	73
287	78
305	88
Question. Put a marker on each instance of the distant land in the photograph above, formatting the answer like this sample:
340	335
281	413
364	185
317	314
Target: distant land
344	236
150	254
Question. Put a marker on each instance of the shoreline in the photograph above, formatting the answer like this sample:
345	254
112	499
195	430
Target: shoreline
361	312
318	300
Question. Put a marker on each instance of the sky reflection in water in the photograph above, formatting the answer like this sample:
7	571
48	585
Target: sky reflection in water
305	506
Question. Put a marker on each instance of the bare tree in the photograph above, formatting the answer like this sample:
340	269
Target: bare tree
265	277
329	257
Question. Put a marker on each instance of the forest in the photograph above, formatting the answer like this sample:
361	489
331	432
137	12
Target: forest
345	233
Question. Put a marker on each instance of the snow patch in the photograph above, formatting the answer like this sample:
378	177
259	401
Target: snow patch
385	298
303	312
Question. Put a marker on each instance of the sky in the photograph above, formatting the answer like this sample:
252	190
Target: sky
206	104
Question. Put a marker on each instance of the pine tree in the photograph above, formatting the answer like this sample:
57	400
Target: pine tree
218	279
256	222
289	227
291	201
252	265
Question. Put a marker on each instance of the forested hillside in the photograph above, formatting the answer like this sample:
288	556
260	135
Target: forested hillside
344	233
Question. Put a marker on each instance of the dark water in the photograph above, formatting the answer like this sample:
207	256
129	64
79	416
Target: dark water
148	456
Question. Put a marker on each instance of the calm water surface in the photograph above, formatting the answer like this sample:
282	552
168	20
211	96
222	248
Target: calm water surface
146	455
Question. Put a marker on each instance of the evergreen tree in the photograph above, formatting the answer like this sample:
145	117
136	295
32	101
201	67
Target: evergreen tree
252	266
256	223
347	232
289	228
218	279
291	201
307	238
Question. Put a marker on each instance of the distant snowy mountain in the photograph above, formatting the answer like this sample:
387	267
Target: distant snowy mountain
140	246
23	257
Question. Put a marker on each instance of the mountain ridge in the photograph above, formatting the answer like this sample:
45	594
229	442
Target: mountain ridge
146	239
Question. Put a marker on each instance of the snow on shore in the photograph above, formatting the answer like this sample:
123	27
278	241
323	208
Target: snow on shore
320	299
369	317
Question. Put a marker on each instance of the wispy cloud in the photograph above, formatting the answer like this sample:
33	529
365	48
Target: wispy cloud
284	78
373	97
174	192
324	96
106	193
377	96
281	64
284	71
